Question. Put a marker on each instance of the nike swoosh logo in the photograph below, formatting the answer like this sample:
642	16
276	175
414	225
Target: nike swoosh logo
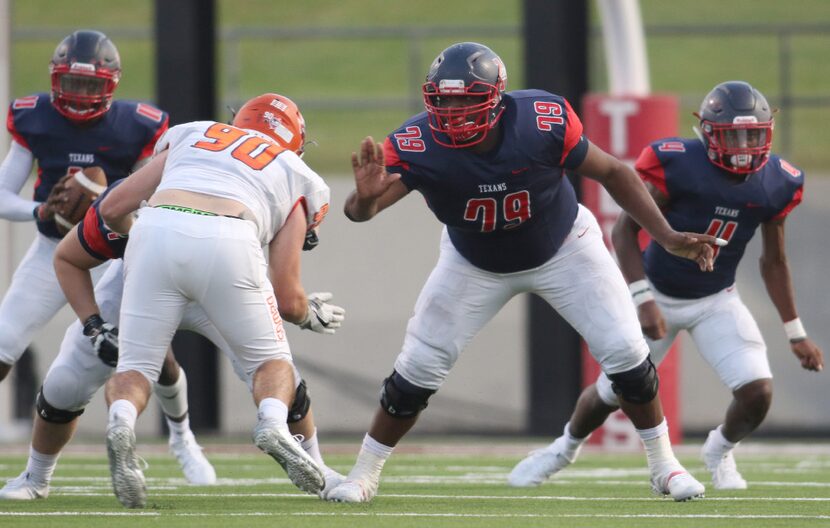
519	171
582	233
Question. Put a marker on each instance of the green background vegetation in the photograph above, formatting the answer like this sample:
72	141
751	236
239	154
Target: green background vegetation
349	88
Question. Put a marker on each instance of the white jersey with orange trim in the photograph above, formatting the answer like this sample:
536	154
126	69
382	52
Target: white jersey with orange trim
221	160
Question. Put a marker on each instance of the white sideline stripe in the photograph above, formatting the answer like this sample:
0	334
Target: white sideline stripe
458	497
415	514
78	514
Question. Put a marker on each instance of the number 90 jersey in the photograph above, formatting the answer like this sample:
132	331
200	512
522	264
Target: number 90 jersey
221	160
508	209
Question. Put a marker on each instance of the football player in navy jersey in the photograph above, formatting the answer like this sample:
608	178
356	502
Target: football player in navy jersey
491	166
77	125
725	183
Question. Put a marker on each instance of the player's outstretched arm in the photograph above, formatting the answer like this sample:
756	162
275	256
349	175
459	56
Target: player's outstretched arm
630	193
72	265
375	189
775	271
119	204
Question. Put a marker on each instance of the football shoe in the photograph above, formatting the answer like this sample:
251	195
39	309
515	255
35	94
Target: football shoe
725	474
23	488
196	468
274	439
127	475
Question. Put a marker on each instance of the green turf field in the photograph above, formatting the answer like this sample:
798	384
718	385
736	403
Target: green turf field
460	484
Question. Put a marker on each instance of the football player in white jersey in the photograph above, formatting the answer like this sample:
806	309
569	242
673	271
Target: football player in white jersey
217	194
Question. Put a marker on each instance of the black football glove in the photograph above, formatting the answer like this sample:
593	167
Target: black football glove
104	338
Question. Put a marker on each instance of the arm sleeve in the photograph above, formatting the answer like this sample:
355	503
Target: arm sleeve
13	174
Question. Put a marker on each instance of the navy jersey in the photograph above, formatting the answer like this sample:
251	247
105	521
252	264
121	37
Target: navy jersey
96	238
703	198
123	136
508	209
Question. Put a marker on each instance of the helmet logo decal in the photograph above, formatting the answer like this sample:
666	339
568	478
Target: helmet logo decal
276	125
451	86
279	105
745	119
82	67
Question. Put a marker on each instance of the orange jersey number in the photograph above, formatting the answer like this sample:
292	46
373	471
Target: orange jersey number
254	152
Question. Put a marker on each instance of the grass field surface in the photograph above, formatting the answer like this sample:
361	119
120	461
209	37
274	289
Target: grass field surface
459	483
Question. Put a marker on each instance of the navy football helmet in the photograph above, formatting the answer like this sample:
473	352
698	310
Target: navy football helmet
736	124
463	94
85	70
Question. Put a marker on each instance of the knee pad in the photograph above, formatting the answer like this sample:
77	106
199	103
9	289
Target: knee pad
606	391
54	415
401	399
302	403
638	385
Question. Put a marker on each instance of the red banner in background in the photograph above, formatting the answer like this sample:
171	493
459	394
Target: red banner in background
623	126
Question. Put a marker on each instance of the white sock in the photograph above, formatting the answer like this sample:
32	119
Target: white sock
312	447
572	443
720	445
40	467
272	409
178	428
173	398
123	411
658	446
370	460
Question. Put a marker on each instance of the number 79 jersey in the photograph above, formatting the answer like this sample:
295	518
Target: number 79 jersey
508	209
221	160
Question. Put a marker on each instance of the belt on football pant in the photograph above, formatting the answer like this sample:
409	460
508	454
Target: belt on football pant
192	210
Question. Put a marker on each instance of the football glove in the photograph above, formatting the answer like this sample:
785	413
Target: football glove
322	317
104	338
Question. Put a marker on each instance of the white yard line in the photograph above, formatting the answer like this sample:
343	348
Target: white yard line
414	514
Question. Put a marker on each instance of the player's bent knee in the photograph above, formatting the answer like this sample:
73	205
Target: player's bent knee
52	414
638	385
605	390
302	403
401	399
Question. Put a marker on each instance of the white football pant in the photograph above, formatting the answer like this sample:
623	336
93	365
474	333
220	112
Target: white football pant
724	332
581	282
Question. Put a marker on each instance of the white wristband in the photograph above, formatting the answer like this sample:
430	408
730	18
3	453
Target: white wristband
795	330
640	292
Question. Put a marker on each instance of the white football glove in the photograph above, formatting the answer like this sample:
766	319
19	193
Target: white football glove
322	317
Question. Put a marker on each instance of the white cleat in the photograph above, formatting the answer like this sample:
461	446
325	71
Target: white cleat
22	488
725	474
540	465
275	440
333	479
196	468
127	477
354	490
679	483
